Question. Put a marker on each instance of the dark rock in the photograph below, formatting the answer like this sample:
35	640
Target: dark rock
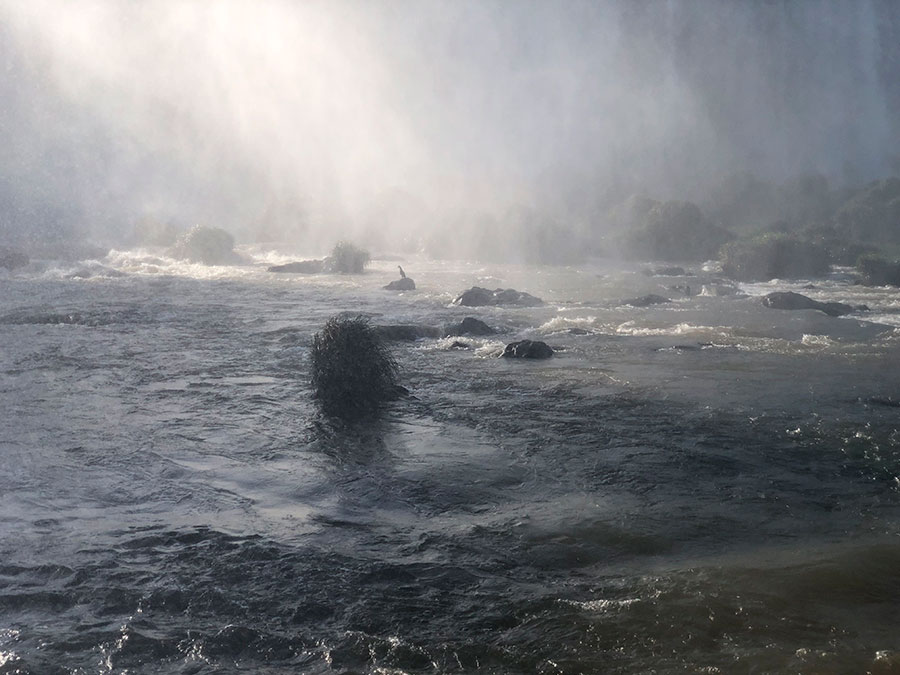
528	349
480	297
300	267
404	284
877	271
791	300
406	332
11	258
470	326
646	300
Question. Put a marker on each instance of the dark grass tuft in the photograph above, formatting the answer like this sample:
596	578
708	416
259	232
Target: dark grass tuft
353	371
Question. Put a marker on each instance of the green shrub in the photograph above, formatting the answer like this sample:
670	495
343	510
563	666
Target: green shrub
676	231
353	372
348	259
773	256
873	214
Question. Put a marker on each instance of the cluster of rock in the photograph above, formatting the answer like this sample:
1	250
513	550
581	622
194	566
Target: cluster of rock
482	297
409	332
523	349
345	258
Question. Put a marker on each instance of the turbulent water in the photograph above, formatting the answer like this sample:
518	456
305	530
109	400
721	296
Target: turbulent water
707	485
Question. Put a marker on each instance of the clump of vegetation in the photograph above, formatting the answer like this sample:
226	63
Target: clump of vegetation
877	271
353	372
774	256
676	231
874	213
209	245
348	259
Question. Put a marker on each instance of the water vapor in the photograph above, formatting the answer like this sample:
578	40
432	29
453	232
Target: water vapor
392	121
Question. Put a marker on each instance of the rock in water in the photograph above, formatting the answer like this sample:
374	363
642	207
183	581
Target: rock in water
528	349
300	267
208	245
791	300
407	332
470	326
646	300
403	284
481	297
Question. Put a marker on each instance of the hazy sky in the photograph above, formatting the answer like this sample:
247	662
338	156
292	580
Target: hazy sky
242	112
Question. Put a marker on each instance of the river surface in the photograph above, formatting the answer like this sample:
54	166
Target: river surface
704	486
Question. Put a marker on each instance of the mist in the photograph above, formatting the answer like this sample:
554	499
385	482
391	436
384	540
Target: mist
397	122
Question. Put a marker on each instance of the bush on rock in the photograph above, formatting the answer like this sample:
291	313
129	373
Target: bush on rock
348	259
353	372
208	245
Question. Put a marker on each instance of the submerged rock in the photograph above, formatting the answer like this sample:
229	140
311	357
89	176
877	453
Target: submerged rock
300	267
528	349
470	326
404	284
791	300
664	272
646	300
481	297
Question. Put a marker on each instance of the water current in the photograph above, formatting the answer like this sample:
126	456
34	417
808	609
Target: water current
707	485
